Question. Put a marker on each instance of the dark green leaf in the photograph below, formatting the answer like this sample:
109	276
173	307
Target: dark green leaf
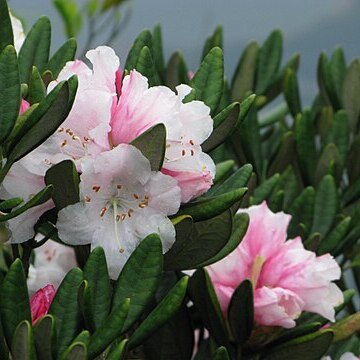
119	352
76	351
10	204
338	70
176	71
329	163
223	170
216	39
221	354
37	89
152	145
241	312
263	191
208	81
23	347
45	337
158	52
268	61
161	314
203	295
111	329
10	90
146	66
208	208
97	276
204	242
14	301
64	54
7	37
65	309
291	92
35	49
65	181
144	39
140	277
244	77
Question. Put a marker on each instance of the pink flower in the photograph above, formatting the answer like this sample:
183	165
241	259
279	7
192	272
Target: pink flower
40	302
287	278
24	106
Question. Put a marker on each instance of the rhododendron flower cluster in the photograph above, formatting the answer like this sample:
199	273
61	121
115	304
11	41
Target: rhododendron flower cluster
287	279
122	200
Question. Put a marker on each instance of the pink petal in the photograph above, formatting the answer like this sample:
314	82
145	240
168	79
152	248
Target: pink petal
41	301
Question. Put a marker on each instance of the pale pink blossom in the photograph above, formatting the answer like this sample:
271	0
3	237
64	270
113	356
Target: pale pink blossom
123	201
287	279
40	302
52	261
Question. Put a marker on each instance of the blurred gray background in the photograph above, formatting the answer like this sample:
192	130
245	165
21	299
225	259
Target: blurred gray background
309	27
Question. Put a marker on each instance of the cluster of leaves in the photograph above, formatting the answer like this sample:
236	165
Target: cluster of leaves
302	161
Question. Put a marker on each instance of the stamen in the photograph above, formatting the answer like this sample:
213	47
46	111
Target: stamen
116	216
103	211
96	188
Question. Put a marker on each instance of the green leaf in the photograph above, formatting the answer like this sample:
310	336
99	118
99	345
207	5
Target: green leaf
158	51
65	181
309	347
10	91
268	61
10	204
152	144
71	16
64	54
239	228
245	107
6	36
222	171
168	306
139	278
45	337
37	89
340	134
119	352
326	202
146	66
305	145
224	125
46	119
208	81
291	92
176	71
35	49
144	39
14	301
23	347
97	276
76	351
208	208
205	240
338	70
241	312
329	163
334	238
237	180
221	354
351	93
353	162
203	295
216	39
263	191
302	211
65	309
244	77
111	329
38	199
351	194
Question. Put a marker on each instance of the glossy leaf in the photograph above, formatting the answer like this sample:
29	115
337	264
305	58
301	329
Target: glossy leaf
263	191
158	51
168	306
223	170
37	90
119	352
10	90
176	71
65	181
152	145
208	208
10	204
7	37
139	278
203	295
204	242
76	351
14	301
65	309
35	49
97	276
208	81
45	338
111	329
291	92
146	66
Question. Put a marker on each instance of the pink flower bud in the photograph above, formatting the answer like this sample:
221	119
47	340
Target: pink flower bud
41	301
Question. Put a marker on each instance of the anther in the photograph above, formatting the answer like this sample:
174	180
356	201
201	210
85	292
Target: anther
192	152
87	199
96	188
191	142
103	211
183	153
136	196
64	143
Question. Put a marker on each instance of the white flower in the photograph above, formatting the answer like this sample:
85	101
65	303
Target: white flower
122	203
